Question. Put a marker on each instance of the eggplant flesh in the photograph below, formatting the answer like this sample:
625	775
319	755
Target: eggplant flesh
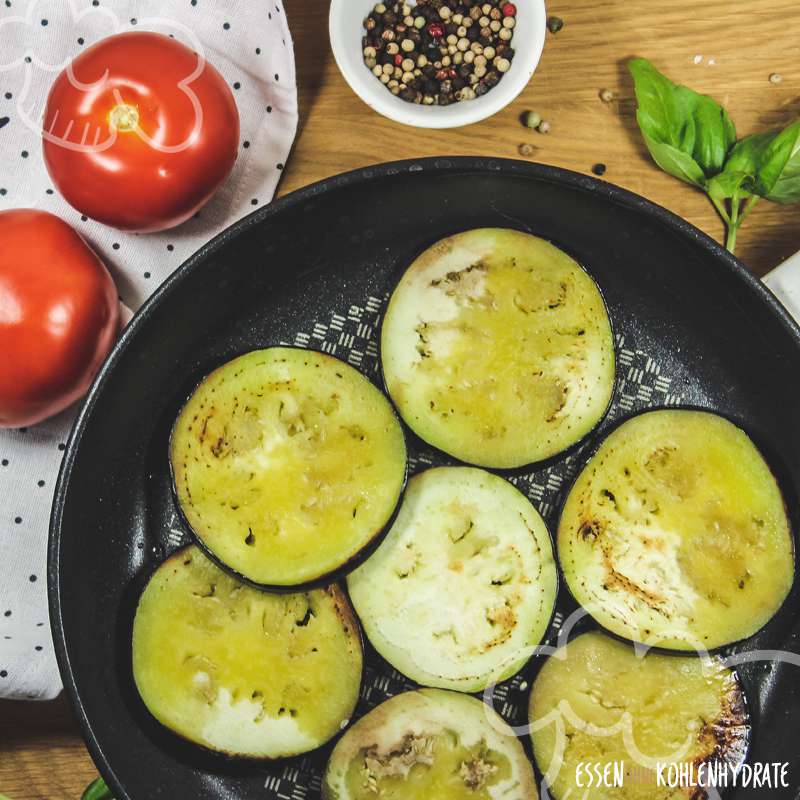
497	348
597	702
463	587
429	744
675	534
240	671
287	464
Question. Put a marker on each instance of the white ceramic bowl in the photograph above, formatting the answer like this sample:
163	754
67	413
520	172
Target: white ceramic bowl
346	24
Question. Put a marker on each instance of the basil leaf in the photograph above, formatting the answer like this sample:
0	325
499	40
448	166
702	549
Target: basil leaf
97	790
772	163
681	119
729	185
786	188
675	162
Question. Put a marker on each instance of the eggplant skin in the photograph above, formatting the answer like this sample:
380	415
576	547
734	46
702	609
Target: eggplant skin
429	743
463	587
597	702
244	672
675	534
497	348
288	464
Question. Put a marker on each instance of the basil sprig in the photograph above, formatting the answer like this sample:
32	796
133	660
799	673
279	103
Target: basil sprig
691	136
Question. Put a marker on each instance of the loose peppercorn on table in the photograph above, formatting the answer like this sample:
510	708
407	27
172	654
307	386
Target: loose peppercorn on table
708	46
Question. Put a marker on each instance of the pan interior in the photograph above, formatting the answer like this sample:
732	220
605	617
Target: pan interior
314	270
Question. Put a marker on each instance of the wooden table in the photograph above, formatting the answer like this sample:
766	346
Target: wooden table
725	48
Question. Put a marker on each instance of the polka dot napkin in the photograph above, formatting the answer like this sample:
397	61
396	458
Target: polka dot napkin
249	43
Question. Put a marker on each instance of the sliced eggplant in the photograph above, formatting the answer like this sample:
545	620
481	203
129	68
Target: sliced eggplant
240	671
675	534
463	587
597	704
287	465
497	348
429	744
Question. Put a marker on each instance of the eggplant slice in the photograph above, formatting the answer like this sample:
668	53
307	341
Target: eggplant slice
429	744
463	587
287	464
675	534
497	348
240	671
596	702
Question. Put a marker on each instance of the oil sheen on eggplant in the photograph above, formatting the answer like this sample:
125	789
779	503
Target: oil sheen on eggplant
429	744
240	671
597	702
497	348
463	587
676	534
287	464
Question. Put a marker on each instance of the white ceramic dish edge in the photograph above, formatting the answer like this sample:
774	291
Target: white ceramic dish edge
784	282
346	29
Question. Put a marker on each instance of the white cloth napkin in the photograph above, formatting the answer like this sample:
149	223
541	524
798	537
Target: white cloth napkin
249	43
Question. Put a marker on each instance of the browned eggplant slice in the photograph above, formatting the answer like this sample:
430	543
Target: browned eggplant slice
288	464
240	671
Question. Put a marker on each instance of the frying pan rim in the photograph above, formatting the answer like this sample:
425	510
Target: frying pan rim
444	165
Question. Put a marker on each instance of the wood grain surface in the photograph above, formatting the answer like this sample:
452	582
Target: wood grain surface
725	48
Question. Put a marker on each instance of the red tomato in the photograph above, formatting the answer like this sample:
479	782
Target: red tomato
139	132
59	316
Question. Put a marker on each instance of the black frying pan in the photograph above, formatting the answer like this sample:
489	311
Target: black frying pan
693	327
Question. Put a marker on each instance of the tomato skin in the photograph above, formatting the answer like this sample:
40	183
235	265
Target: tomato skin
59	316
132	184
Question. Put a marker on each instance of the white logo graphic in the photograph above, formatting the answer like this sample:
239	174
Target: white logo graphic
26	48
